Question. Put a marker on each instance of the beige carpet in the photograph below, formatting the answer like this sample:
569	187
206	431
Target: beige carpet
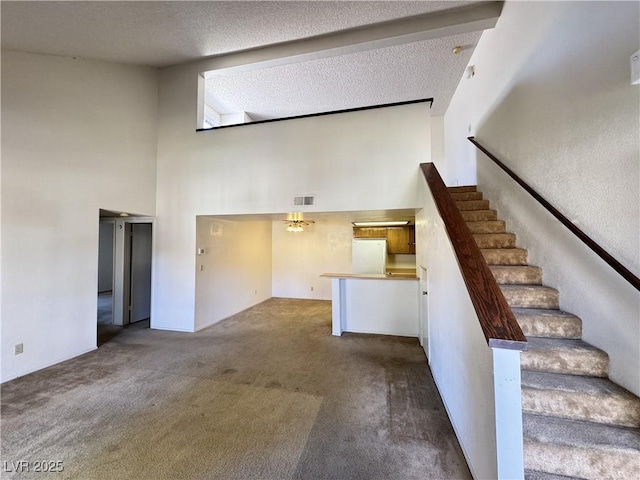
266	394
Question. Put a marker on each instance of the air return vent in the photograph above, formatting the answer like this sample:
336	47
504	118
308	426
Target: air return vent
304	200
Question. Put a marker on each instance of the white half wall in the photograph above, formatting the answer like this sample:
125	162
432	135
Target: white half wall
366	160
234	272
459	358
300	258
383	307
552	98
77	136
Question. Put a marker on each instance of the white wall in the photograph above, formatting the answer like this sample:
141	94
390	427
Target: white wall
460	360
364	160
437	142
300	258
235	271
77	136
552	98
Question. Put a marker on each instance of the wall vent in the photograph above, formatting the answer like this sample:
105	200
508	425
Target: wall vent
304	200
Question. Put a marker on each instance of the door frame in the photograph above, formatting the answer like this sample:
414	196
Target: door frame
120	268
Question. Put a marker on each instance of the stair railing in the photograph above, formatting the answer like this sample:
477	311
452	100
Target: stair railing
497	321
588	241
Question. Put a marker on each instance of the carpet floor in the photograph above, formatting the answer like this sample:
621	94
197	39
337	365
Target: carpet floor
105	308
265	394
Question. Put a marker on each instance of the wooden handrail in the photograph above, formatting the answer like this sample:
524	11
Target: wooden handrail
497	321
588	241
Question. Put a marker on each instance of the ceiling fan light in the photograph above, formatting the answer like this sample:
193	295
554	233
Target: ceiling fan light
295	227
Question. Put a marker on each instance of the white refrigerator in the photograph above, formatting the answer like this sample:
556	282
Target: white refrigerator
369	255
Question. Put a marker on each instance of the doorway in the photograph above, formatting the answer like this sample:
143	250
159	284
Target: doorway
124	274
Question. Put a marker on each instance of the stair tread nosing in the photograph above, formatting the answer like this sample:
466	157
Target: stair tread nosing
561	355
467	205
534	475
540	322
517	274
463	196
479	215
579	434
579	397
505	256
495	240
580	449
463	188
531	296
487	226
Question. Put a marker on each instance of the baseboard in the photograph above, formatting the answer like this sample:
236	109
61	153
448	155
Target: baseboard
45	365
395	334
172	329
209	324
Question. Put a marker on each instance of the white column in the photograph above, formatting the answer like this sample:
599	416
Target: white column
338	304
508	408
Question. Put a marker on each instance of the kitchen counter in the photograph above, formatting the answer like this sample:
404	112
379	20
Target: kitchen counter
375	303
373	276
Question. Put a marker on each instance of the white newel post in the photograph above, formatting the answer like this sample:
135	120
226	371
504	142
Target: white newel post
508	408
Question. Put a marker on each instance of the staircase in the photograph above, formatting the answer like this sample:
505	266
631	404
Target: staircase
577	423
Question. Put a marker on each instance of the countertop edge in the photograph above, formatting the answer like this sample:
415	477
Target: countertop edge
369	276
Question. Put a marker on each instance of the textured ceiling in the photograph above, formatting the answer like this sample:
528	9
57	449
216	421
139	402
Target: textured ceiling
426	69
167	33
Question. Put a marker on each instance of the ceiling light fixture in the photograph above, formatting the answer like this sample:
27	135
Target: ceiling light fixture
297	226
381	224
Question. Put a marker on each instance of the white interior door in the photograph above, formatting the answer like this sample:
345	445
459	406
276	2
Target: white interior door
140	264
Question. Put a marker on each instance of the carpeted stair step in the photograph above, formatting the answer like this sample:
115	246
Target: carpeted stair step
531	296
580	449
536	322
488	226
495	240
505	256
517	274
532	475
464	196
462	189
478	215
577	397
473	205
568	356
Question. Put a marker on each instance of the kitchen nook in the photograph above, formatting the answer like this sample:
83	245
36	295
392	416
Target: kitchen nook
377	296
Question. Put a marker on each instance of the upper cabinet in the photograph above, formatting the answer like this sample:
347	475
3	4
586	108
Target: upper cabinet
369	232
400	240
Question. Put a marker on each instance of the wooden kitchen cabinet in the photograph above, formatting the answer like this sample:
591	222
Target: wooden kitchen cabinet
370	232
401	240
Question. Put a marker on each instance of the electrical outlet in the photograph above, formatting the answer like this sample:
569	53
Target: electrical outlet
256	292
18	348
312	289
